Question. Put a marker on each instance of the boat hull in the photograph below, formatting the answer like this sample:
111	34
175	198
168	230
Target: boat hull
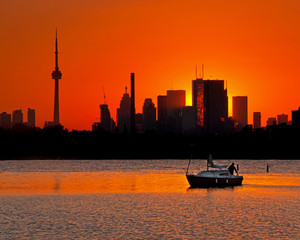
199	181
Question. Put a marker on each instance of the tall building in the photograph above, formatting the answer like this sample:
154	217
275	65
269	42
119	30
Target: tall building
296	118
56	75
105	118
283	118
271	121
256	120
124	114
17	117
198	100
161	113
175	101
149	115
188	120
31	117
240	111
215	105
132	109
211	104
5	120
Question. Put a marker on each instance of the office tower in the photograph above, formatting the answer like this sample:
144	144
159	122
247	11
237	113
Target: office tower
124	113
198	100
31	117
132	110
296	118
271	121
149	115
5	120
161	113
240	111
188	120
175	101
256	120
283	118
105	118
211	104
56	75
215	105
17	117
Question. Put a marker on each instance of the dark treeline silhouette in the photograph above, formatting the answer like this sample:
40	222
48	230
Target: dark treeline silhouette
21	142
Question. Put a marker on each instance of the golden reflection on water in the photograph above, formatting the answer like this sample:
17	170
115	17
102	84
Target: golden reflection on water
91	182
117	182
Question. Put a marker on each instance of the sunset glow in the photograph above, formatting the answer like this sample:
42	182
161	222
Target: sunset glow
253	45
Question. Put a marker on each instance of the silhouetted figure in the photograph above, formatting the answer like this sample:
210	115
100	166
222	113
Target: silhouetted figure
232	168
237	167
267	167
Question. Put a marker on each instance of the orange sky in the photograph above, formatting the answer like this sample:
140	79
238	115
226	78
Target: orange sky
254	45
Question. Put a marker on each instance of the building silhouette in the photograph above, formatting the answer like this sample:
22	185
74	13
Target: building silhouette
31	117
106	121
296	118
5	120
161	113
56	75
256	120
132	108
283	118
175	103
124	114
188	120
198	100
271	121
17	117
210	100
139	122
149	115
240	111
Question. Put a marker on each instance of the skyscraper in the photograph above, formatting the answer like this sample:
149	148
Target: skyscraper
256	120
175	101
149	115
283	118
132	110
211	104
105	118
161	113
31	117
198	100
240	111
124	113
17	117
56	75
5	120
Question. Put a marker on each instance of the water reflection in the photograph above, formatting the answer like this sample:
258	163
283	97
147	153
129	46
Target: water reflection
118	182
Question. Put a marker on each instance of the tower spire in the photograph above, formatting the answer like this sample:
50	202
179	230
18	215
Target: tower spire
56	53
56	75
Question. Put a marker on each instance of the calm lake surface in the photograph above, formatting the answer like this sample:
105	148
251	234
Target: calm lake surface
146	199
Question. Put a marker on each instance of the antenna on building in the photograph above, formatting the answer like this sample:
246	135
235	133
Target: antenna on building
105	101
196	72
203	71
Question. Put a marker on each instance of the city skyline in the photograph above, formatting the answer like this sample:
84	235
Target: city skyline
254	47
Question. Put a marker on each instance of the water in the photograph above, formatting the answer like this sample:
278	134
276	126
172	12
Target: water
146	199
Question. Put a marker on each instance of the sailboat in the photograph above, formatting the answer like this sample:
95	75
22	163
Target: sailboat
214	176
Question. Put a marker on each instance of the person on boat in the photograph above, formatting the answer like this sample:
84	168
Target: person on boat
232	168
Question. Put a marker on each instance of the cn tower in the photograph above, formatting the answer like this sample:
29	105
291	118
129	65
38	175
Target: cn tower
56	75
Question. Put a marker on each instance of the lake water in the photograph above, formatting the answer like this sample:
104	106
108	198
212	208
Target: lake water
146	199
